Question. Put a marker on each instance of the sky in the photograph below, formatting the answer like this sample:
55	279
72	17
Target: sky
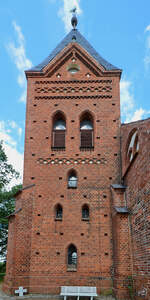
31	29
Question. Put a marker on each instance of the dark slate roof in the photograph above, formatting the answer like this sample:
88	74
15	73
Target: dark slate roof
14	213
75	36
24	188
122	210
118	186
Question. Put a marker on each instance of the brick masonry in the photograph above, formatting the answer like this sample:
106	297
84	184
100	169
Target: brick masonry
38	243
136	176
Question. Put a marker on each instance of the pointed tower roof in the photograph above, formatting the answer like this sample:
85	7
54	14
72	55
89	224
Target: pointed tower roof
75	36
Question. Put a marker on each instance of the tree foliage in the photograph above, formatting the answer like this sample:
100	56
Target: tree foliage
7	172
7	202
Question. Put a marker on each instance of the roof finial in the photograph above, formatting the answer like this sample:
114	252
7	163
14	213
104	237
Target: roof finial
74	20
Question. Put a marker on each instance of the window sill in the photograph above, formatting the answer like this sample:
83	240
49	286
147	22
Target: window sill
72	187
85	219
71	269
86	148
58	148
58	219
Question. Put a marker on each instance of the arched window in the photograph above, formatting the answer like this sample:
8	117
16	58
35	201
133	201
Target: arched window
72	257
133	145
58	212
86	131
85	212
72	180
59	131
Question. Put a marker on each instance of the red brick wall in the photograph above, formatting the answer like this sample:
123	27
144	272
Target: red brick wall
121	244
19	243
137	178
122	257
47	240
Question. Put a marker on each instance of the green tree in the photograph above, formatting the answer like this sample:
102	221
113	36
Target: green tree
7	202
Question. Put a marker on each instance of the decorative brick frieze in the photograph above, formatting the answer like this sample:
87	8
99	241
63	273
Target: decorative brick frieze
72	97
74	89
72	82
71	161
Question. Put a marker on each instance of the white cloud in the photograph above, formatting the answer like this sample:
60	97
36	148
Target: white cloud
12	124
147	48
19	33
20	131
23	95
147	61
10	146
18	55
126	99
129	112
16	159
138	115
147	28
65	13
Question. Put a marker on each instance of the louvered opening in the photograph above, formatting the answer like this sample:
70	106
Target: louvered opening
86	139
59	130
86	131
58	139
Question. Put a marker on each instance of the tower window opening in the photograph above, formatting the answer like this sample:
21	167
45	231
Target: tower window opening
72	257
85	212
86	132
59	132
58	212
133	146
72	180
73	68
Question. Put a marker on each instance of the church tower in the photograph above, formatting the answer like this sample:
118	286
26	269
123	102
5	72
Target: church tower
65	221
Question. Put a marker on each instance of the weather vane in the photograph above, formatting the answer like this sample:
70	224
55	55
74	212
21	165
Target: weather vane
73	10
74	20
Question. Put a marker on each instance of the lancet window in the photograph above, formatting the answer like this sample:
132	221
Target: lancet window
59	131
72	256
86	131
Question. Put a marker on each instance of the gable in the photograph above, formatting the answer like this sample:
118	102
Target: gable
74	41
73	62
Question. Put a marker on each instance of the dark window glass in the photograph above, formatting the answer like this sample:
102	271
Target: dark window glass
59	212
86	125
59	125
85	212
